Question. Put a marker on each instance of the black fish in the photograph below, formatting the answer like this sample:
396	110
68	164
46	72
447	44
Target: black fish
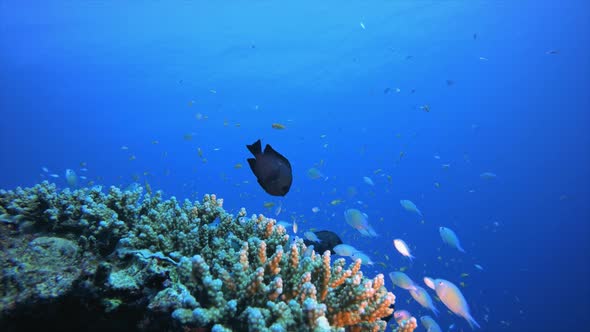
328	240
272	170
387	318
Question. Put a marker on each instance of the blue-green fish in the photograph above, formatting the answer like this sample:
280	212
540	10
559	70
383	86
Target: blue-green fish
71	178
410	206
311	236
451	296
368	181
402	280
421	296
429	324
344	250
365	260
360	222
314	174
487	175
449	237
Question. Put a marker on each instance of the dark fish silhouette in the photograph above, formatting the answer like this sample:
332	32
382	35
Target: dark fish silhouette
272	170
328	240
387	318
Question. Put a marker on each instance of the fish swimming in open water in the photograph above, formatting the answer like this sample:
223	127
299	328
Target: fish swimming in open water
449	237
71	178
359	221
430	324
410	206
402	280
421	296
311	236
272	170
451	296
365	259
403	248
344	250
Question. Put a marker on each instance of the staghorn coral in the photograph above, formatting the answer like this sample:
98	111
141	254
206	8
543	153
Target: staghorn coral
408	325
175	266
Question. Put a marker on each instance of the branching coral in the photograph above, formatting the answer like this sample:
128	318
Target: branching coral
311	287
408	325
200	264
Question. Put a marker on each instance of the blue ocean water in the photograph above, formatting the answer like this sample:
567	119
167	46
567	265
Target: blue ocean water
170	93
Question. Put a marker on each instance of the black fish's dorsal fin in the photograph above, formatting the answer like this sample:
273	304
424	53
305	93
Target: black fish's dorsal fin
255	148
268	150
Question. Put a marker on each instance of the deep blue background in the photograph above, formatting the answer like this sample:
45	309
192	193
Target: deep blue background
80	79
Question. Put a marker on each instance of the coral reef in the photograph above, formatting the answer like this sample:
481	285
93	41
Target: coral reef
408	325
127	261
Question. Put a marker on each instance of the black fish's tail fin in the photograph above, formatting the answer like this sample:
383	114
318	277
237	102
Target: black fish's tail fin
255	148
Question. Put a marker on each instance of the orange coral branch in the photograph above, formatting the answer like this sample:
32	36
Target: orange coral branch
270	227
273	266
294	256
262	252
327	274
244	256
